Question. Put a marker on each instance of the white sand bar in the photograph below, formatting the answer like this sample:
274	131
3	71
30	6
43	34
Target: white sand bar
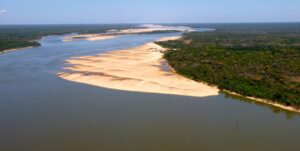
138	69
89	37
148	28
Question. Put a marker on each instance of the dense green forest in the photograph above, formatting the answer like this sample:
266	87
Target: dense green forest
260	60
18	36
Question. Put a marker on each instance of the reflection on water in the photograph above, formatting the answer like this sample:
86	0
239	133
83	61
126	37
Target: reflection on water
40	112
274	109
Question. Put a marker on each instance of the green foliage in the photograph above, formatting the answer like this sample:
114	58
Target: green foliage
17	36
249	62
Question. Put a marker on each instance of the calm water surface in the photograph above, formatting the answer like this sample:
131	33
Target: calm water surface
40	112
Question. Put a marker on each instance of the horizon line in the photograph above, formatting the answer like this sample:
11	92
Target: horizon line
277	22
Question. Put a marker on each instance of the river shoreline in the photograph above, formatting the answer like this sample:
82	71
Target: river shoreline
136	69
79	65
110	34
265	101
255	99
16	49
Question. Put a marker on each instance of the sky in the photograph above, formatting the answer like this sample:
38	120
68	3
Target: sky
150	11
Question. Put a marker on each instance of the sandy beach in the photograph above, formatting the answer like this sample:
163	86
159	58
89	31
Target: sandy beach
148	28
9	50
269	102
140	69
137	69
89	37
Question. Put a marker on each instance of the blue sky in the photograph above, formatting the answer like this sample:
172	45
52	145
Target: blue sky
151	11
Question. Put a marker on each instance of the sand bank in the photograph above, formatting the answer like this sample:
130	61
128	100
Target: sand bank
269	102
115	33
148	28
9	50
89	37
138	69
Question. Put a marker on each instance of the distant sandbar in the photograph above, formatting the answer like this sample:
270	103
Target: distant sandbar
116	33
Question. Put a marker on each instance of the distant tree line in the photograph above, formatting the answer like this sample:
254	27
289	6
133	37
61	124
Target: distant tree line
18	36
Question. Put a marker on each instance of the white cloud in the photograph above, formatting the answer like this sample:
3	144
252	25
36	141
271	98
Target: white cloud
2	11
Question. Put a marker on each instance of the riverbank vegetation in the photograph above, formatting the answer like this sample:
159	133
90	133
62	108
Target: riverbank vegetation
18	36
257	60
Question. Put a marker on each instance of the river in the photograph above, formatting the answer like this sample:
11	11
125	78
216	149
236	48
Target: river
41	112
